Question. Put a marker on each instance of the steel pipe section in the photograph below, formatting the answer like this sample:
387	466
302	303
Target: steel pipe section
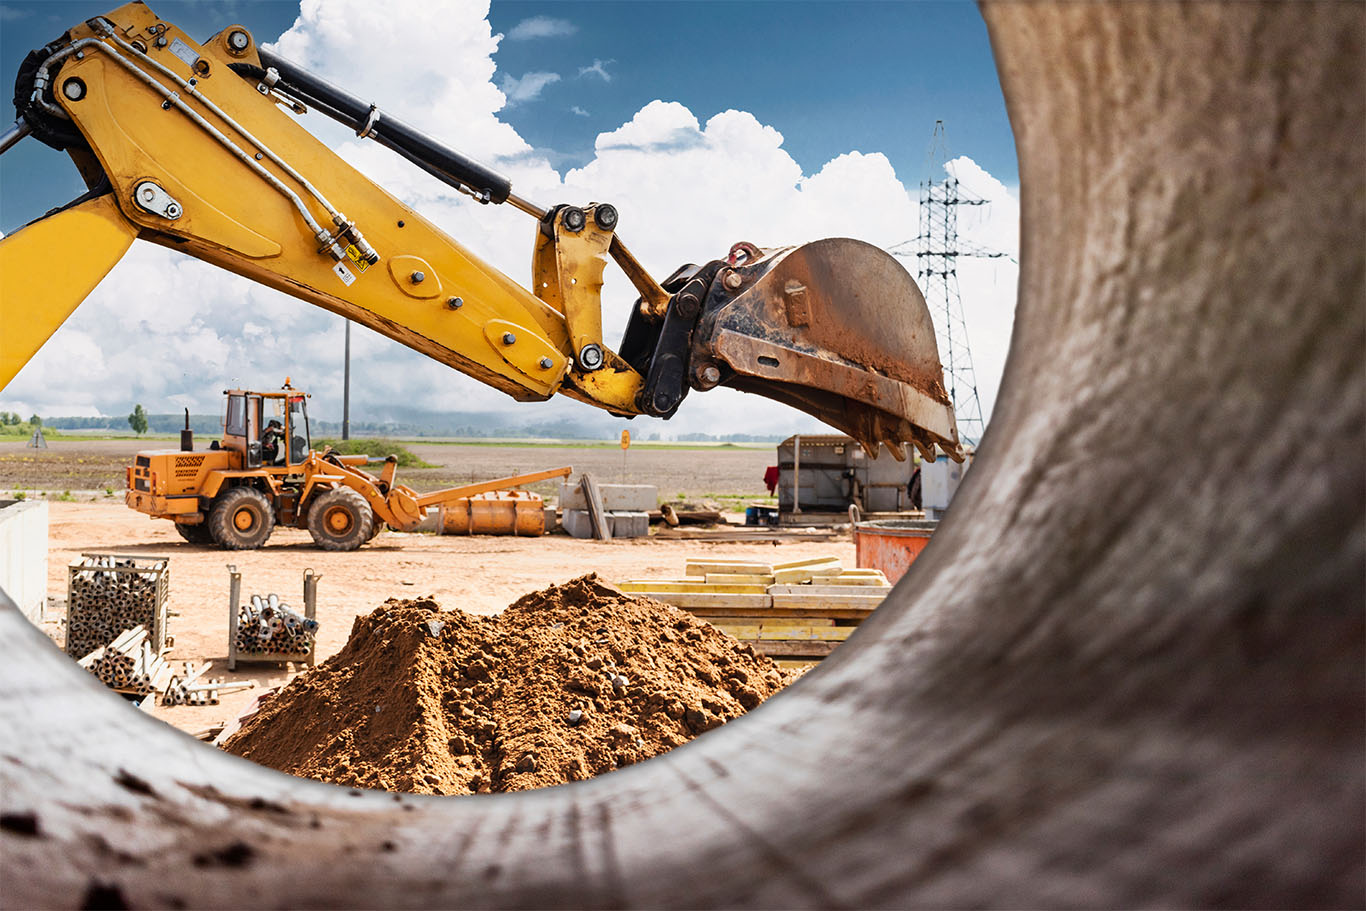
1127	671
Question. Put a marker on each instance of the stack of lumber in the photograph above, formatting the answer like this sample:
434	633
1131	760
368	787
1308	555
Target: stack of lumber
129	664
796	613
108	594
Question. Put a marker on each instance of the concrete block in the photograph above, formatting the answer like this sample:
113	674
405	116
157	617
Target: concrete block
615	497
577	522
23	554
623	523
629	523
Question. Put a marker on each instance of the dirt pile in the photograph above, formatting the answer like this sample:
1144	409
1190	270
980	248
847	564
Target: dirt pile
566	684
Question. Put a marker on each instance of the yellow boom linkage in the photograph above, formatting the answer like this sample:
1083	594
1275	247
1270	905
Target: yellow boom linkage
198	147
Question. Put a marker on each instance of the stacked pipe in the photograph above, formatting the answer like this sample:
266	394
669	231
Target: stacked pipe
187	688
108	595
268	626
129	664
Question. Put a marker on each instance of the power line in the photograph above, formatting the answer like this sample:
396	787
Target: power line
936	251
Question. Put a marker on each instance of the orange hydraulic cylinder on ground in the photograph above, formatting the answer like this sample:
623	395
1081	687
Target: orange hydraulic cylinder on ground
499	512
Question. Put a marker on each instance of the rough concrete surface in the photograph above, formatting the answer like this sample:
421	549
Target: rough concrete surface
1128	671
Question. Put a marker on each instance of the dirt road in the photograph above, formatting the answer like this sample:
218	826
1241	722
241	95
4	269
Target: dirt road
476	574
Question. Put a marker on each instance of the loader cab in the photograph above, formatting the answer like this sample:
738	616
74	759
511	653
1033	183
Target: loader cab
252	419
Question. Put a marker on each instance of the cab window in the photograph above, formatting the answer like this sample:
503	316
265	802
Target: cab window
235	421
298	430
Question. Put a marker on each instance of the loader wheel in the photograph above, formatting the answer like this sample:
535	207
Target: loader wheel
340	519
195	534
241	519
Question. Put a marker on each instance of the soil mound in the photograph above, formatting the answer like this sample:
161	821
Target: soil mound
567	683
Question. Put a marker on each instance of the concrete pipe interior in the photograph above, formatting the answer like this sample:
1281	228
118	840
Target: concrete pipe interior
1128	671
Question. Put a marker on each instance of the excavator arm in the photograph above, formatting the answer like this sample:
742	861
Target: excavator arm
199	148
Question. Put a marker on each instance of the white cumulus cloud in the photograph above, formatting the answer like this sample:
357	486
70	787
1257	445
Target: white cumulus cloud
169	331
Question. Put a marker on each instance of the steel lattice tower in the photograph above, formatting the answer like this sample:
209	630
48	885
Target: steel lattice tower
936	251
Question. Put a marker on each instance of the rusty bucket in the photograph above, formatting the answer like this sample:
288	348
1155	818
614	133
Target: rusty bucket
891	545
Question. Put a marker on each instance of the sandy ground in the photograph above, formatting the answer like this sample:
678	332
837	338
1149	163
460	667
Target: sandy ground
476	574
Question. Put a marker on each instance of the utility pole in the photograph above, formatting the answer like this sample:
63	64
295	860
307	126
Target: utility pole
936	251
346	387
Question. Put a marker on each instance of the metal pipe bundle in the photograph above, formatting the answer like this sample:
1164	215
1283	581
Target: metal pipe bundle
267	626
187	688
108	595
129	664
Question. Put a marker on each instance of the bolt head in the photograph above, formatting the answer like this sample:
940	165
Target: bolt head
509	338
73	89
173	211
238	40
417	278
711	375
546	363
455	303
149	194
590	358
606	216
732	281
574	219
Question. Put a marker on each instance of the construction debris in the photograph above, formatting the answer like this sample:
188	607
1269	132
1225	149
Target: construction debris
108	594
795	613
564	685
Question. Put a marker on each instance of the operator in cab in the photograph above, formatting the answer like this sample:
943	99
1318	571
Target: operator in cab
271	437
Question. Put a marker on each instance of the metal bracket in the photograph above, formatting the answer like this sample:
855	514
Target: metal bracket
370	120
152	198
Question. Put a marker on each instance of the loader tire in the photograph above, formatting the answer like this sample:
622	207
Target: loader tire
376	526
340	519
241	519
195	534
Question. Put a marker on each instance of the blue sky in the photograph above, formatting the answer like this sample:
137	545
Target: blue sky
705	123
831	77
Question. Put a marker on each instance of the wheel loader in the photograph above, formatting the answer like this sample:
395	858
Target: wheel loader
199	147
237	491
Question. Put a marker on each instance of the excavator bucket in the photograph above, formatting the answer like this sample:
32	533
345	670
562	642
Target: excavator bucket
836	328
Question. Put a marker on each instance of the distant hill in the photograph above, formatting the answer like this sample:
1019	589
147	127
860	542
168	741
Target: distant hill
410	423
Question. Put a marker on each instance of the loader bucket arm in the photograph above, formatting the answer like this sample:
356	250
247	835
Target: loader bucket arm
403	508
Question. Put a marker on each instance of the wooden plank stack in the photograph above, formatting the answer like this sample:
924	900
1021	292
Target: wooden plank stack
109	594
796	613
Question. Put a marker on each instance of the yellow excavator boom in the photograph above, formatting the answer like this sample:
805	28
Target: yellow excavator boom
198	147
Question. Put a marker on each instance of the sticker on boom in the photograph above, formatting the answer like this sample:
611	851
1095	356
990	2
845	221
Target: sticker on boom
344	274
184	52
353	254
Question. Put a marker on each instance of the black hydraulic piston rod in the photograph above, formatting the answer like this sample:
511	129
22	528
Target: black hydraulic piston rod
442	162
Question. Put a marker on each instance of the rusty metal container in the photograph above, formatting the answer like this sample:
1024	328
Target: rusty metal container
891	545
499	512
